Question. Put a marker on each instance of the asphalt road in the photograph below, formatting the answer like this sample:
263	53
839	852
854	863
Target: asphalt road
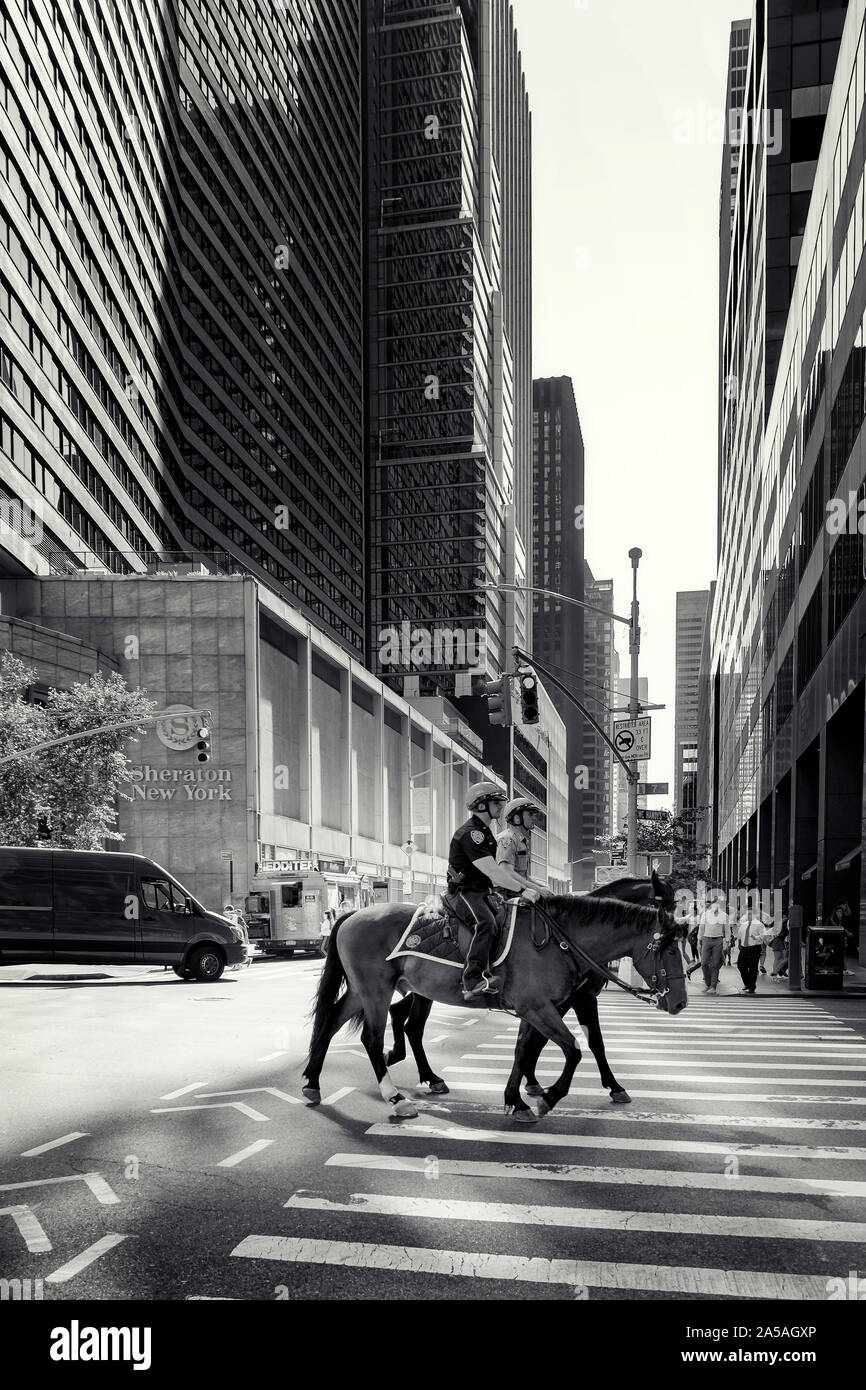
155	1147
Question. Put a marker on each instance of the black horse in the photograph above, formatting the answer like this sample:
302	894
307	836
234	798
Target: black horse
409	1017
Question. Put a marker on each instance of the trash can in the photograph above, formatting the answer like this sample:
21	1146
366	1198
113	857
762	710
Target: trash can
823	959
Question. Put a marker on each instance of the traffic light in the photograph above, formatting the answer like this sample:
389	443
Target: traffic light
203	748
527	682
498	697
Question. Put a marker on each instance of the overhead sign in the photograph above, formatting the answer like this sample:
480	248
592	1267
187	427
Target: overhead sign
289	866
420	800
653	789
631	738
651	815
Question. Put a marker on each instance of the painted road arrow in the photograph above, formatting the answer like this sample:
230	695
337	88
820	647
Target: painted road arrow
34	1237
225	1105
95	1181
251	1090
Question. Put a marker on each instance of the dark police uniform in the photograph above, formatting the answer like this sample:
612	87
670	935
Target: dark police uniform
473	841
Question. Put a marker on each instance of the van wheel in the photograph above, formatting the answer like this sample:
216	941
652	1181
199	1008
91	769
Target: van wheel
206	964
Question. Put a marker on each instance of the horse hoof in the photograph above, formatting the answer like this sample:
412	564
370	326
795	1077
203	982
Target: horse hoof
438	1088
543	1108
620	1097
534	1089
524	1117
312	1095
404	1109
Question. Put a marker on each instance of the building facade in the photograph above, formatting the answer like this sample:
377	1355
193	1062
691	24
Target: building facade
449	342
181	293
690	619
600	673
558	564
790	606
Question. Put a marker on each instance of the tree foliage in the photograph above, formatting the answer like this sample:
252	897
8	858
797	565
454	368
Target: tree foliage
73	789
673	835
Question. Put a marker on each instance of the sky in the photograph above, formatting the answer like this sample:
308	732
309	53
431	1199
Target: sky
627	102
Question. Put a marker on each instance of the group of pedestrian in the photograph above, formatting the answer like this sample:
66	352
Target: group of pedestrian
712	936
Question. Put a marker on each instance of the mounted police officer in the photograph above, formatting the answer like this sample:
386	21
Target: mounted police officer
514	846
472	872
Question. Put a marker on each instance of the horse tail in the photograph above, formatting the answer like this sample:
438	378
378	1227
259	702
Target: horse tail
331	981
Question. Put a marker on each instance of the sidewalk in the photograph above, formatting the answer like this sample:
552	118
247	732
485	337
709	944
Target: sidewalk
731	984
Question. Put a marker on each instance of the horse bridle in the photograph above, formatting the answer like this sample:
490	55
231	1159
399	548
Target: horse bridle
661	940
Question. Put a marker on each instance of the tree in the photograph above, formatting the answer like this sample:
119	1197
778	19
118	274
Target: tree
673	835
64	796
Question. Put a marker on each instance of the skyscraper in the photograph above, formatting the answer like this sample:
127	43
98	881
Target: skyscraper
600	673
789	606
558	563
182	363
691	613
449	369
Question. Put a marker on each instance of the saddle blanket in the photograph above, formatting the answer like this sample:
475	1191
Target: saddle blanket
434	935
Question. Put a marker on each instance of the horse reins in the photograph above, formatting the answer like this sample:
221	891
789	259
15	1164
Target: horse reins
647	996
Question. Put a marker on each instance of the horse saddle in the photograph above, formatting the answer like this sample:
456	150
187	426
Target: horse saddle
442	929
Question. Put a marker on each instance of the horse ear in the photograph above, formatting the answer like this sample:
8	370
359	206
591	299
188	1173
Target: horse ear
657	884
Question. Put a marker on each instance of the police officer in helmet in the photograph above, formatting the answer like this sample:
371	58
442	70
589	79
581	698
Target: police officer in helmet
514	846
472	872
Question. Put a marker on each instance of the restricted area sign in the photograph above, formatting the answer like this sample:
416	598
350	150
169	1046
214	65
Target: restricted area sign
631	738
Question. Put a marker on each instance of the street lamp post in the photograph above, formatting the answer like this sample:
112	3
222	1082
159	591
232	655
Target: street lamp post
633	712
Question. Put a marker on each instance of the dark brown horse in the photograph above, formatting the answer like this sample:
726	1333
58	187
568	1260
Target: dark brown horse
534	981
408	1018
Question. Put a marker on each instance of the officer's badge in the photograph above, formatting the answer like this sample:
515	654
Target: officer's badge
477	837
412	941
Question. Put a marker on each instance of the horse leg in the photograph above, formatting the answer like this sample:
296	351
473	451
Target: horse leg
418	1016
533	1046
586	1008
346	1009
373	1037
547	1020
514	1102
399	1016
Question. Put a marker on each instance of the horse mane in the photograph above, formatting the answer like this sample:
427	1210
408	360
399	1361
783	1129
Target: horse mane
588	911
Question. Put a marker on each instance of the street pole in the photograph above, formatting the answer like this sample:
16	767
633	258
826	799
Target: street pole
633	712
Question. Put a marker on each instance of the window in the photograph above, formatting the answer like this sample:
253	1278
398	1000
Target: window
80	891
161	896
25	882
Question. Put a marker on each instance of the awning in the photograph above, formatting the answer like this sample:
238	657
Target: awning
340	879
847	859
810	871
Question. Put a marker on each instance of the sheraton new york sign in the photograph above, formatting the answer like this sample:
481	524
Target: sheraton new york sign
180	784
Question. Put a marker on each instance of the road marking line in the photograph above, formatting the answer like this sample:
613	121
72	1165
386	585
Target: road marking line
251	1090
338	1095
634	1278
442	1038
674	1095
623	1114
666	1053
184	1090
55	1143
95	1181
268	1057
87	1257
637	1177
247	1110
534	1139
724	1080
470	1023
239	1157
569	1218
28	1225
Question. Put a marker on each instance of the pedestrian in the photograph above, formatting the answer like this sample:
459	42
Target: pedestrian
779	944
750	933
692	936
713	931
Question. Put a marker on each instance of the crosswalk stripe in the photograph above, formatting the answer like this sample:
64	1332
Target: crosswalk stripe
585	1219
626	1115
234	1159
536	1139
750	1099
712	1049
582	1274
717	1080
631	1177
